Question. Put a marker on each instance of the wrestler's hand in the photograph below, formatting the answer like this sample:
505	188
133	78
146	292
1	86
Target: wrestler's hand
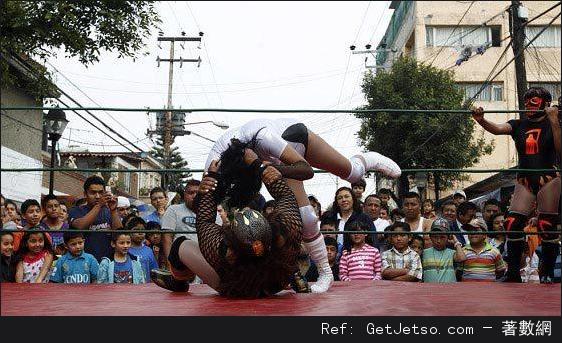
249	156
207	184
478	114
270	175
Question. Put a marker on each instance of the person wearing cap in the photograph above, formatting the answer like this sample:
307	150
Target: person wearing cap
123	205
483	262
459	197
438	261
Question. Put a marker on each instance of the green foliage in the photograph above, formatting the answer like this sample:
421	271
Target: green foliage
171	181
400	136
82	29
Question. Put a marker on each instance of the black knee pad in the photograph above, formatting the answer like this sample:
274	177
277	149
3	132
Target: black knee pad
174	257
549	222
515	222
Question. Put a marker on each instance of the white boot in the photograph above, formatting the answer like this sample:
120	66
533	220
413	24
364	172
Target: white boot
376	162
319	255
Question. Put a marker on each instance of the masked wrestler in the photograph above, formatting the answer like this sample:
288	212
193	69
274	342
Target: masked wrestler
250	256
537	140
293	150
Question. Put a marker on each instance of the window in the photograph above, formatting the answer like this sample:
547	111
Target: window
550	38
552	87
493	92
465	35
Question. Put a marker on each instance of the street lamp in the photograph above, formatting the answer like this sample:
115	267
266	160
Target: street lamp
55	123
220	124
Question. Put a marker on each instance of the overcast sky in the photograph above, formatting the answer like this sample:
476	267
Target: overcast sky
261	55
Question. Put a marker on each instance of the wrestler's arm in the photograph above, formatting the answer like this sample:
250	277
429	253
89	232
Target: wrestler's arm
208	232
552	114
285	201
295	166
491	127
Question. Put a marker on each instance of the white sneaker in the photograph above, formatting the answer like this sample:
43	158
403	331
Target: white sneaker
319	255
377	162
323	283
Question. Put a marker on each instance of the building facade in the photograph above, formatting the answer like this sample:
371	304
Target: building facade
438	32
135	185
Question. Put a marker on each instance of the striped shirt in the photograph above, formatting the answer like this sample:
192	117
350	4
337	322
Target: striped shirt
361	264
482	266
409	259
438	266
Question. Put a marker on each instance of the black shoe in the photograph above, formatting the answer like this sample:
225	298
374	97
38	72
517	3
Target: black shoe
164	279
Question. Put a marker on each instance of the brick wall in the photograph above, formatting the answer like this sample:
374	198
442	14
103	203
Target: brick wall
70	183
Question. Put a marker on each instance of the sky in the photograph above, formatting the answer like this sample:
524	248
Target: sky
256	55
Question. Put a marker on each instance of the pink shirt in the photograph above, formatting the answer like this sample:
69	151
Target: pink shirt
361	264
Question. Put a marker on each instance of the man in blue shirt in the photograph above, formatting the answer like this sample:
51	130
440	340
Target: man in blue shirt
75	266
99	213
159	200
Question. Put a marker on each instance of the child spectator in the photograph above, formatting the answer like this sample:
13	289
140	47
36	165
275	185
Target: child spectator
124	268
332	249
397	215
75	266
63	214
8	260
401	263
329	224
483	261
385	213
428	209
53	222
31	211
359	261
35	258
143	253
416	244
438	261
154	242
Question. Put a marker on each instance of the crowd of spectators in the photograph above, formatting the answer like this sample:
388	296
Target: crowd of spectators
393	239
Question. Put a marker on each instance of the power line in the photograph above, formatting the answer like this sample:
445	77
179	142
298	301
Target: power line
96	103
39	75
206	53
99	120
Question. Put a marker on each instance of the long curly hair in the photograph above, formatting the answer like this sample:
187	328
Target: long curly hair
240	182
262	276
356	204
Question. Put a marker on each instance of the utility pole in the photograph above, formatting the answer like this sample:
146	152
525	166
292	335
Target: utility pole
167	136
517	16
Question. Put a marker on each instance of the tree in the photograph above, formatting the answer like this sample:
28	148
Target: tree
419	141
171	181
38	29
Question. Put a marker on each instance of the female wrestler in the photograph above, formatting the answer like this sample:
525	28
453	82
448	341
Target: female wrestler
537	140
251	256
293	150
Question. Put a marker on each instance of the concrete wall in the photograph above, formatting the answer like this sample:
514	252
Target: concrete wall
18	137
